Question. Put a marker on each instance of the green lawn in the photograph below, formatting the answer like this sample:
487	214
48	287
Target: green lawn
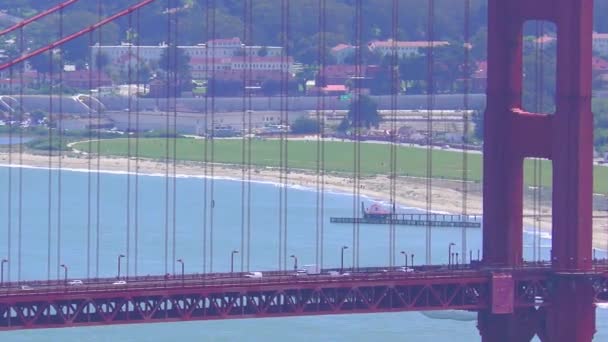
339	157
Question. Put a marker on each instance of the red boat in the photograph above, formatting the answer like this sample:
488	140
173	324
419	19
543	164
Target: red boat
376	211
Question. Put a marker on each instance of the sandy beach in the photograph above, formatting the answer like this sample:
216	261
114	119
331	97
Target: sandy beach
446	195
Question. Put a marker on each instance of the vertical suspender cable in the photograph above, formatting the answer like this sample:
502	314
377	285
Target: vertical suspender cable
320	116
285	81
129	152
243	130
9	215
50	165
20	204
59	151
137	132
283	144
212	138
541	105
206	141
358	122
93	63
394	89
429	138
167	129
466	70
249	161
98	152
177	86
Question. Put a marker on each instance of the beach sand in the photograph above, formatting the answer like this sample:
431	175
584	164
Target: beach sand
446	195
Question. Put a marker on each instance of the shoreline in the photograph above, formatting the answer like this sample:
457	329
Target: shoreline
446	195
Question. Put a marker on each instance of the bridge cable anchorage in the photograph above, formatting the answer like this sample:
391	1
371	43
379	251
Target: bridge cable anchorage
429	139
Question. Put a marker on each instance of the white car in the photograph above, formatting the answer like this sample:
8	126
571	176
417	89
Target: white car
75	282
26	288
119	282
254	275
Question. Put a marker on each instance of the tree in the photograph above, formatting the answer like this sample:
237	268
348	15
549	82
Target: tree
478	119
537	98
37	116
176	64
263	52
44	64
412	70
305	125
363	112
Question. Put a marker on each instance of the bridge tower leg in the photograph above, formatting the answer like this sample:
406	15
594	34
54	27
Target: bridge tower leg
512	134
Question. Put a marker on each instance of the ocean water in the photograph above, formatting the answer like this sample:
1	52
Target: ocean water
89	229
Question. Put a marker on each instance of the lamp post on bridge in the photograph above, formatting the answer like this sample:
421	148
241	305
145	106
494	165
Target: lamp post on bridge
342	258
405	258
120	256
183	275
2	271
232	260
65	274
450	253
295	262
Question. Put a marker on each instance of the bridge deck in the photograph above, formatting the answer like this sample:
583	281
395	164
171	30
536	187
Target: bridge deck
233	295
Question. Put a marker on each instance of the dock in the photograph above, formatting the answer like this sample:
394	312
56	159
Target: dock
424	220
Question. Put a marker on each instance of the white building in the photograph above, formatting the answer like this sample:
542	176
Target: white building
600	43
216	54
402	48
342	51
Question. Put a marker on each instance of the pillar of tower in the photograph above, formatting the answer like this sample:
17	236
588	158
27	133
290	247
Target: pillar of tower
566	138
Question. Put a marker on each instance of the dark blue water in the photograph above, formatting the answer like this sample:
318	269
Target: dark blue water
72	224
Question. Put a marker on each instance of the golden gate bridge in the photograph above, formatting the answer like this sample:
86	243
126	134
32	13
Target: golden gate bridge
515	299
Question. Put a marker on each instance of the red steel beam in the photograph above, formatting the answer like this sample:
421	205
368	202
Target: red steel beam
75	35
37	16
289	296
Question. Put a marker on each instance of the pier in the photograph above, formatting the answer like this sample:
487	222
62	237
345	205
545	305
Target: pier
422	220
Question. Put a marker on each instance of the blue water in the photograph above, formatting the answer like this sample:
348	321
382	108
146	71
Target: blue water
78	228
5	140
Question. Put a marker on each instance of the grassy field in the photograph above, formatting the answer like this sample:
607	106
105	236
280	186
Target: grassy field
339	157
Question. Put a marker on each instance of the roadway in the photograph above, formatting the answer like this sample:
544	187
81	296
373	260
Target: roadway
147	299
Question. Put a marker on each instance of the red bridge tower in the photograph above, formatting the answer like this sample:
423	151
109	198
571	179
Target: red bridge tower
566	138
